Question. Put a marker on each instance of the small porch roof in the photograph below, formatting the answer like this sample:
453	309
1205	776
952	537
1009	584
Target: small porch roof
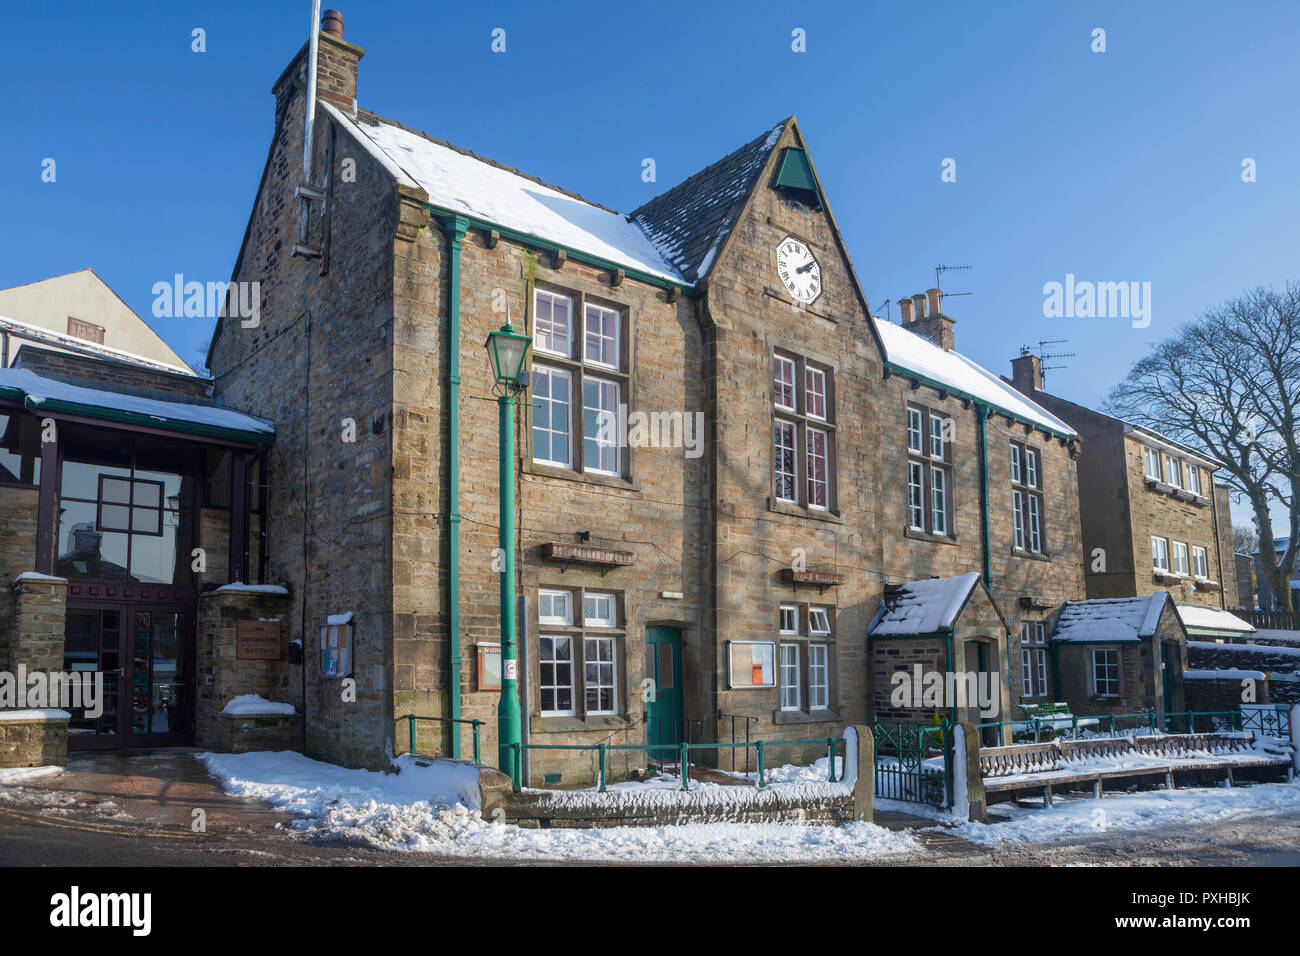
1212	622
925	607
1110	620
40	393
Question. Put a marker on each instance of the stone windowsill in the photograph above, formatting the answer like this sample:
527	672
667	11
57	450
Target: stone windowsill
530	467
805	717
1031	555
927	536
568	725
799	511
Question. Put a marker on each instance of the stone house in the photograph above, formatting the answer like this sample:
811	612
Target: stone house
733	567
1152	516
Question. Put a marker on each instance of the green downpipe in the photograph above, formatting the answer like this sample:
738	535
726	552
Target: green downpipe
981	417
455	228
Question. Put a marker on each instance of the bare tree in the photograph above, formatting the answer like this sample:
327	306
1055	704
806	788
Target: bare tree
1244	540
1228	384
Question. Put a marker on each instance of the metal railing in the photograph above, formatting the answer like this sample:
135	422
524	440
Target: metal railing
902	749
749	721
412	718
683	755
1105	724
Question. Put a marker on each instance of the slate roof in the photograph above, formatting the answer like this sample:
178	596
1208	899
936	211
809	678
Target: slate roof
689	223
930	606
1110	620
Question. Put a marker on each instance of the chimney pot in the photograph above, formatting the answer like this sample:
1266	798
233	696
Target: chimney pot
905	310
331	22
918	306
932	297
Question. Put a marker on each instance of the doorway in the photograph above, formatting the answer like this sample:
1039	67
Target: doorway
146	655
663	652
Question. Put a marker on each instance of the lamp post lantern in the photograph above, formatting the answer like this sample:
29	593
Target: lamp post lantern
506	350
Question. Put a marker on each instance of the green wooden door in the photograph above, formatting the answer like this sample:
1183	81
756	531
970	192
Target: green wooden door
663	653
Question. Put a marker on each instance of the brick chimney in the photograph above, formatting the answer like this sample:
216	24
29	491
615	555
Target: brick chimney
1027	373
922	314
336	68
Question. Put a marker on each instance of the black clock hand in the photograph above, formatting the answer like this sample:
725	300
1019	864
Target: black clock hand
804	268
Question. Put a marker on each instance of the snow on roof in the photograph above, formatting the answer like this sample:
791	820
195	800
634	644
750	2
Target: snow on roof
92	348
923	607
255	588
1230	673
1110	620
1211	619
1275	634
961	374
464	183
39	390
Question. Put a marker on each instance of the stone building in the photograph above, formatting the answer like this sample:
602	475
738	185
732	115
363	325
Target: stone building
1152	516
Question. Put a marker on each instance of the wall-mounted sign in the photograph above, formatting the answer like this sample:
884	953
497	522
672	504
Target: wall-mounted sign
259	641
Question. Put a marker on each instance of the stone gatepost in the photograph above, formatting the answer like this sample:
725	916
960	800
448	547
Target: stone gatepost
968	783
860	764
241	649
36	737
40	605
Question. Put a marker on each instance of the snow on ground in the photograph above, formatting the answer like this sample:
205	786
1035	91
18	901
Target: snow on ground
1075	817
12	775
426	808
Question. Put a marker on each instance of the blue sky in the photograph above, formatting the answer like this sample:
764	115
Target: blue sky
1115	166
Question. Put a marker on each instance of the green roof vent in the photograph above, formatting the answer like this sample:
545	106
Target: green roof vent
794	176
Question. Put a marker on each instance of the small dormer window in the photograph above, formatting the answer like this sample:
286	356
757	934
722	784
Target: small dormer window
794	178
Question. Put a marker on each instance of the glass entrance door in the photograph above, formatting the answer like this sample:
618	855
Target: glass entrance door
146	657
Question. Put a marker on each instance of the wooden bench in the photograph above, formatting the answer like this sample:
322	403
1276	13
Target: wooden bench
1068	763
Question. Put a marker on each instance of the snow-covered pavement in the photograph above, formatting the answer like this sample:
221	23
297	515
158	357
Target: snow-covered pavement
433	808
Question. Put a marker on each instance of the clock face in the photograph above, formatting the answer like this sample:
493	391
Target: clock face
798	270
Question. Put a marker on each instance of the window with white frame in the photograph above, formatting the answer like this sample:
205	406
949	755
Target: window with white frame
601	342
552	416
819	621
555	607
600	433
1105	672
1159	554
599	678
790	677
789	619
1181	565
1193	483
556	684
1033	659
1172	468
1026	499
929	471
578	667
1151	462
1200	562
803	418
598	609
575	359
819	679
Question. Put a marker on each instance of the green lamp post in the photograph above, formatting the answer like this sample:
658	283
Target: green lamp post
506	350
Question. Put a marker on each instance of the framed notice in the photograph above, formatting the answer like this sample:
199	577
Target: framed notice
336	650
259	641
750	664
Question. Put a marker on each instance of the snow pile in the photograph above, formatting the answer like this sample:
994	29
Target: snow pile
1110	620
301	785
12	775
924	607
920	355
431	806
1074	817
252	705
255	588
1244	648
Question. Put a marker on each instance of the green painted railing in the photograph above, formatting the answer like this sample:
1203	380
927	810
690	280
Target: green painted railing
902	748
412	718
683	755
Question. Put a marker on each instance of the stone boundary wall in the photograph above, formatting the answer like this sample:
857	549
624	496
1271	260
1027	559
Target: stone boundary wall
35	741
